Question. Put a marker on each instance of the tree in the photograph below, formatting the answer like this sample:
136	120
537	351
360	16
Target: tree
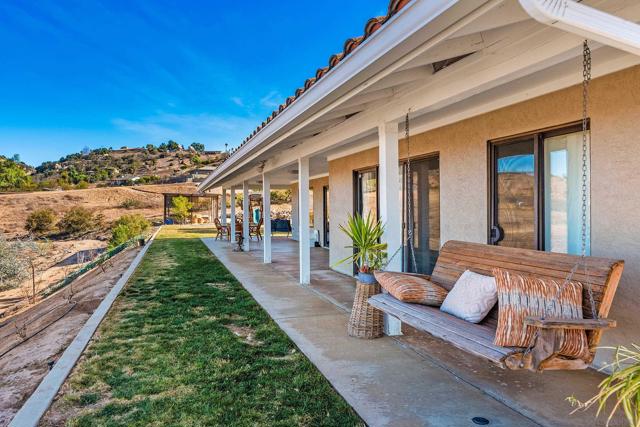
15	158
197	146
13	175
40	221
173	146
181	207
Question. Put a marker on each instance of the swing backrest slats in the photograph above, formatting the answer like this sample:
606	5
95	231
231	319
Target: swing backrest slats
602	274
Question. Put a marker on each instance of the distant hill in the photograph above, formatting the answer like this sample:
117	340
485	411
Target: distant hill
168	163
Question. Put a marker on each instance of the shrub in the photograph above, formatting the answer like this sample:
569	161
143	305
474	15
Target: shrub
78	220
41	221
181	207
131	204
128	227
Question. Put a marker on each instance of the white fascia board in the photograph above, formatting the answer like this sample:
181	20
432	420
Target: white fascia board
412	18
587	22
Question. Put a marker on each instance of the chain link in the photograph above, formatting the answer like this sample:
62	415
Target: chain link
409	186
586	79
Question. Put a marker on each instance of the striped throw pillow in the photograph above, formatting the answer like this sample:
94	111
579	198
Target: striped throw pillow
410	288
520	296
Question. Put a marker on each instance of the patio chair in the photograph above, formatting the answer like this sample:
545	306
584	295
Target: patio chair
223	230
255	230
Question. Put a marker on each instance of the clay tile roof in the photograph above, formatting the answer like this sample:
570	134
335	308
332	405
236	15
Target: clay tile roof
350	45
373	25
335	59
395	6
309	82
321	72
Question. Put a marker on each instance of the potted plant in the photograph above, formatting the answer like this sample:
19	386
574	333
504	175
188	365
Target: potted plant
622	386
368	255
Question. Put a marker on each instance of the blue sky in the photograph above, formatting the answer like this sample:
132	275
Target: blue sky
115	73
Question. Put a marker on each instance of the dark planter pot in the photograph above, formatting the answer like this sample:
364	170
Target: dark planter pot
367	278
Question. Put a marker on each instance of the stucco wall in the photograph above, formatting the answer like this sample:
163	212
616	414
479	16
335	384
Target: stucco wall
615	155
316	185
341	201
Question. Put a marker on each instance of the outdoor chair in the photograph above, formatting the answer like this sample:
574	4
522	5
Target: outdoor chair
255	230
223	230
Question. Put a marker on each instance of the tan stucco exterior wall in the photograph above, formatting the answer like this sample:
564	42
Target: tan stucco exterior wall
341	201
614	111
316	185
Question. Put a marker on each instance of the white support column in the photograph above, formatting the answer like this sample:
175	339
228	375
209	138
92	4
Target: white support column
223	207
390	210
266	215
303	220
246	216
232	216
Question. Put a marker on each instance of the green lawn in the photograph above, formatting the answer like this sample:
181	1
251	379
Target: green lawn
185	344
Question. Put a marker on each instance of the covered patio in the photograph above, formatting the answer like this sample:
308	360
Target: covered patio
396	379
336	287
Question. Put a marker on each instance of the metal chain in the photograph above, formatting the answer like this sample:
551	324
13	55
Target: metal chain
409	185
586	79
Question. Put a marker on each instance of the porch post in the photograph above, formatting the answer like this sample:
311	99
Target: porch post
390	208
223	207
266	215
232	218
303	220
246	216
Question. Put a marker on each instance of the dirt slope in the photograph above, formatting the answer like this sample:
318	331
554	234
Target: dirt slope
14	208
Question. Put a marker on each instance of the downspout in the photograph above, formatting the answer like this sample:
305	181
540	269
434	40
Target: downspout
587	22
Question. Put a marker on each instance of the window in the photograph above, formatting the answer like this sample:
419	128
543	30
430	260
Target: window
366	192
536	191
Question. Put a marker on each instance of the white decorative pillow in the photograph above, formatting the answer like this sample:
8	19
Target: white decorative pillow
472	297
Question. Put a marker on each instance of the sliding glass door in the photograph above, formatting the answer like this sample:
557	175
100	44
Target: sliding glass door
515	194
563	194
421	208
536	192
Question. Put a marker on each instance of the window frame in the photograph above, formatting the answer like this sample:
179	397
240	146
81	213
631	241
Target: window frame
538	137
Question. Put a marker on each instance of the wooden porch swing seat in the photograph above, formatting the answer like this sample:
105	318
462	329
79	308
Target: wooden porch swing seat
455	257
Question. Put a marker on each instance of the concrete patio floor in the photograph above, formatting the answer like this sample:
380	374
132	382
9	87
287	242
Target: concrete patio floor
412	380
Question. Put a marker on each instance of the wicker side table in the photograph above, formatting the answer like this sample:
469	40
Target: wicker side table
365	321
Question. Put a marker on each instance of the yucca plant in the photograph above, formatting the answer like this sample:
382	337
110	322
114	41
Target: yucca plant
623	386
365	233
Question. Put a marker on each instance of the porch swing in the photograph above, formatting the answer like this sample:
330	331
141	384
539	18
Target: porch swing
599	276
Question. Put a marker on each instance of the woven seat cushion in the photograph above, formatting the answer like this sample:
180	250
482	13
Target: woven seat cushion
520	296
410	288
472	297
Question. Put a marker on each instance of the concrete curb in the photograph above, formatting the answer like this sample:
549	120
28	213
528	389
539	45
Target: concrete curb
40	400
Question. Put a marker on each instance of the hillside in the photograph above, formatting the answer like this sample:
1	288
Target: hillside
110	202
167	163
